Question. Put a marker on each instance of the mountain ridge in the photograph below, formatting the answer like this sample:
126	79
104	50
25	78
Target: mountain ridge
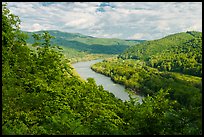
179	52
85	43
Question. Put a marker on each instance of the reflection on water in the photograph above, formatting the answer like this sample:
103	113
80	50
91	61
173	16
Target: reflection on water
85	71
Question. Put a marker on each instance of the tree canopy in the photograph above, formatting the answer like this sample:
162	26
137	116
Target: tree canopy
41	95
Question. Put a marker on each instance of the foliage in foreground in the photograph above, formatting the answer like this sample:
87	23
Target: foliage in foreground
41	95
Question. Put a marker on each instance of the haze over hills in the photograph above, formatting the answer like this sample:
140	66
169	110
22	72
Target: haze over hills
87	43
43	92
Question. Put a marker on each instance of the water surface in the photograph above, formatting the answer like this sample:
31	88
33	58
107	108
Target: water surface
85	71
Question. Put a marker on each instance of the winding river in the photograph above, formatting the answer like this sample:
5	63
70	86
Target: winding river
85	71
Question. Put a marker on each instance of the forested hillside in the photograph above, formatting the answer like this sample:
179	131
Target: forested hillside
140	78
76	56
172	63
181	52
41	95
87	43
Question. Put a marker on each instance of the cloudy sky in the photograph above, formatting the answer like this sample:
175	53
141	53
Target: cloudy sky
125	20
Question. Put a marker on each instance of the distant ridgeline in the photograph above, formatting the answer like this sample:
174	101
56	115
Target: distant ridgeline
181	52
87	43
42	95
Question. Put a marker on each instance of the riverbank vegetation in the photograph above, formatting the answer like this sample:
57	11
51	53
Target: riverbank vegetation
172	63
42	96
146	80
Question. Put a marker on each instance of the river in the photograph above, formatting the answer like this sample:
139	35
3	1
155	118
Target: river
85	71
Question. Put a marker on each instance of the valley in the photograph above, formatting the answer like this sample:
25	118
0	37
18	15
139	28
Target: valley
78	47
60	83
84	70
87	44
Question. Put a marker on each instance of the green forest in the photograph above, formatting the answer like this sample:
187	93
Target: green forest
181	52
173	63
74	55
85	43
42	95
78	47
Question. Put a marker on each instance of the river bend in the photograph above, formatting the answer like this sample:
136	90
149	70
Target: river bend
85	71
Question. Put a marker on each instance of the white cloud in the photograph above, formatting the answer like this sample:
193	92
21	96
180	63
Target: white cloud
36	27
145	20
113	35
138	36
